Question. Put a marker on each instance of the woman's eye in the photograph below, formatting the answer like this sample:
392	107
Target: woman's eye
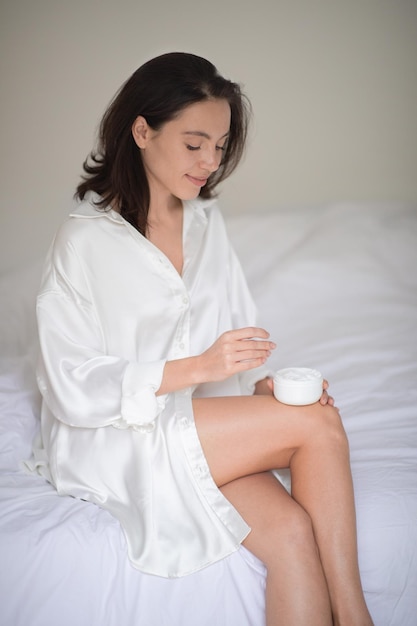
193	147
222	148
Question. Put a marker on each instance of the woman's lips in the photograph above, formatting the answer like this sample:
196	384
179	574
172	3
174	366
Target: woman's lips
199	182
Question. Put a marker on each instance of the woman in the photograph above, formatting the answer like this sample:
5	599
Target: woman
156	401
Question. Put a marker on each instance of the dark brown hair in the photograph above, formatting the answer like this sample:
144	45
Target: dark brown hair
159	90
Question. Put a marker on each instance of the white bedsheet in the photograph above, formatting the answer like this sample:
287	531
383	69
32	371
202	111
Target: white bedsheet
337	288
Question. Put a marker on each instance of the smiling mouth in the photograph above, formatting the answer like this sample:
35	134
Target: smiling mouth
199	182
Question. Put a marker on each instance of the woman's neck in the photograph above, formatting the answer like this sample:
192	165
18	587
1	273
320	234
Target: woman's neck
164	230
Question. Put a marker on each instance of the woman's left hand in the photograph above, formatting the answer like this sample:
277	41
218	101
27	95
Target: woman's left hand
325	398
264	387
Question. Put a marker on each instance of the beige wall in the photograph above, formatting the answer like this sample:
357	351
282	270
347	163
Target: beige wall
333	85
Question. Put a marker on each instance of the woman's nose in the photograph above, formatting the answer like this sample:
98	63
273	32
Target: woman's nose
211	159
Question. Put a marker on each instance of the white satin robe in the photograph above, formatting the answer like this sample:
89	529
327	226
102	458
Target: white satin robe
111	310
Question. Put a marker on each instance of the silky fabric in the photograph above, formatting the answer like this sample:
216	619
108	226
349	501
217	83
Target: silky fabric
111	311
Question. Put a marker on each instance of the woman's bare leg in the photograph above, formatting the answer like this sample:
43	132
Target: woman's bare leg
282	537
253	434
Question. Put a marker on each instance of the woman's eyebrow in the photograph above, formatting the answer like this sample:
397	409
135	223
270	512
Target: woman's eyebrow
200	133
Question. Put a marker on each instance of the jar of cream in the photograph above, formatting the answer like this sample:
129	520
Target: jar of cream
298	385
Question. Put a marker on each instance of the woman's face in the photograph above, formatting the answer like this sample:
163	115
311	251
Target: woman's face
179	158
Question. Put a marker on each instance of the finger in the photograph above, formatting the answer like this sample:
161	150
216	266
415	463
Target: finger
253	344
250	332
248	364
324	398
250	355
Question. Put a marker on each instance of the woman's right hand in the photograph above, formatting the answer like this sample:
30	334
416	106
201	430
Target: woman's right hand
233	352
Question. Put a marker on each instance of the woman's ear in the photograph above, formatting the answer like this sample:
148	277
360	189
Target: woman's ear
141	131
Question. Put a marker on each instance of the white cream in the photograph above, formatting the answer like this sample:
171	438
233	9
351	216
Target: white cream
298	385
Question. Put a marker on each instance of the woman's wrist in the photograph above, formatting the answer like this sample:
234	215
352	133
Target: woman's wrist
179	374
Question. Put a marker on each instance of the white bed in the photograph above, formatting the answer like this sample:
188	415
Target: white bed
337	288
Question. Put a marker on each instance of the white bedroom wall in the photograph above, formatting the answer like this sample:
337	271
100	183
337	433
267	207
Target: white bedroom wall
333	85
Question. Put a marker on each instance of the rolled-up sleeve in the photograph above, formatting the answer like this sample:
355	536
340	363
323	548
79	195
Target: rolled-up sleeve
140	406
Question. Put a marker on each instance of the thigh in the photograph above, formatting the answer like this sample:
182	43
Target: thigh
252	434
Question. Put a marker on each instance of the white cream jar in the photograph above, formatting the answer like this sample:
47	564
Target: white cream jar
298	385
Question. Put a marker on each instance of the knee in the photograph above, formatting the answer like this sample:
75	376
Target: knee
292	537
329	428
298	532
